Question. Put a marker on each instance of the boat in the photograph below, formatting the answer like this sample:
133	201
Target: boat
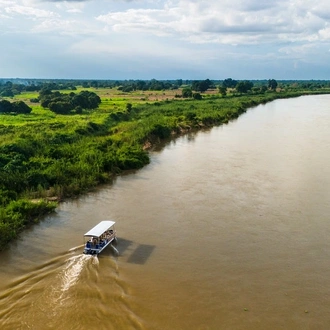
99	237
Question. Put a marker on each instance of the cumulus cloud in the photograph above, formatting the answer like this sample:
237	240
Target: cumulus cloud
225	21
28	11
250	29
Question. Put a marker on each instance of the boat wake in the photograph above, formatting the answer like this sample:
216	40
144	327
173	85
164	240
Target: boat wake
54	295
64	278
72	270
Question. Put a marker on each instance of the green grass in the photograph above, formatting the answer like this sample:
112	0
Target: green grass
44	155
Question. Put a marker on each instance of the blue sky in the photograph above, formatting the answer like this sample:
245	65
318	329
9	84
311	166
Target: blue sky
187	39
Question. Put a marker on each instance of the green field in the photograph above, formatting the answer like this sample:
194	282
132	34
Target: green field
46	156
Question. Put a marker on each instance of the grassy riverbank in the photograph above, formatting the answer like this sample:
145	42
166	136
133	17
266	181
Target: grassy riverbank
46	157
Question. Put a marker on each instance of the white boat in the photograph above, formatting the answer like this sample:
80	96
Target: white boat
99	237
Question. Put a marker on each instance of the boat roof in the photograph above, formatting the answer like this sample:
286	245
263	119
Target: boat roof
100	228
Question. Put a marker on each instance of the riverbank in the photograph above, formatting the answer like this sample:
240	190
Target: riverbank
64	156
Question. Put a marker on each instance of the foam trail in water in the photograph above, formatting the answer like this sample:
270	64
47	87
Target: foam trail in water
72	271
95	260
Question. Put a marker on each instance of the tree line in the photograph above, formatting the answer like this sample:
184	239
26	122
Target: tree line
10	88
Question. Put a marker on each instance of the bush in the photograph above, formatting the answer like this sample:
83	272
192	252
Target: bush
197	96
25	211
7	233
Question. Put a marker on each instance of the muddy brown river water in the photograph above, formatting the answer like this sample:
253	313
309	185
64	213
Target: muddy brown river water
225	229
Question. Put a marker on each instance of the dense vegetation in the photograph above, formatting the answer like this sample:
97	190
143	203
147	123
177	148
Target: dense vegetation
12	87
65	103
71	141
14	107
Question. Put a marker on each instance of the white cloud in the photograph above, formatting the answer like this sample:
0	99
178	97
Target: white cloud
71	7
28	11
52	25
232	22
325	33
6	3
189	30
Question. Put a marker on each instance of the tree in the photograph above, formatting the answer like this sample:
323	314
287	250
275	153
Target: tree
229	83
223	90
95	84
45	91
244	86
141	85
60	107
179	82
197	96
156	85
45	101
263	89
64	103
127	89
186	92
5	106
15	107
7	93
93	101
272	84
201	86
79	100
21	107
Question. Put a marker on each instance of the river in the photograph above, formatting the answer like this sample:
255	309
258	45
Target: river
225	229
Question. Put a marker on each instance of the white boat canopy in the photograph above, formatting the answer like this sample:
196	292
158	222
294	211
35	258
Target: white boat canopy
100	228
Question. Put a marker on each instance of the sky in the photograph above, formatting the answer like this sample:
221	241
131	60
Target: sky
165	39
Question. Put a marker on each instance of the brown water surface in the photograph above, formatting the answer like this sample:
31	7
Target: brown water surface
225	229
